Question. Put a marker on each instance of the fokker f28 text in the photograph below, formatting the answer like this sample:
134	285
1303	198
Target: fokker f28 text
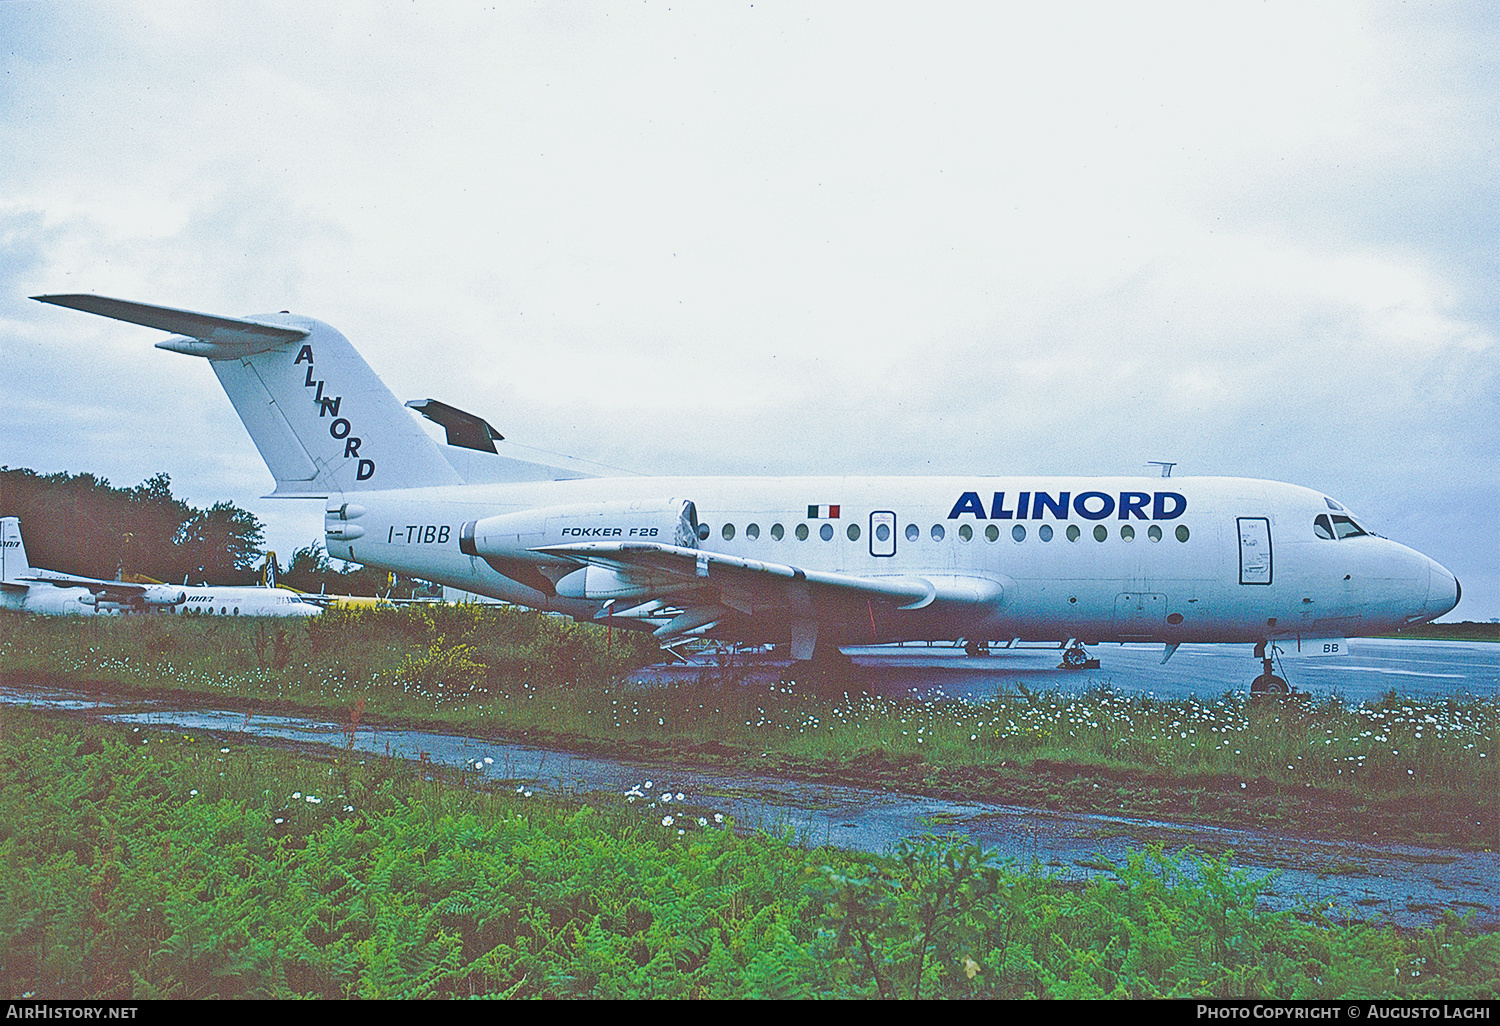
813	563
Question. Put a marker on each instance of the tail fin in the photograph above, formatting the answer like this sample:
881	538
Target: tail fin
323	422
13	564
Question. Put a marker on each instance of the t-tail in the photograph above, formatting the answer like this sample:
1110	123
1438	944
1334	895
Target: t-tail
323	421
13	563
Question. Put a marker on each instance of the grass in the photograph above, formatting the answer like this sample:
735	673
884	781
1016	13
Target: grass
139	863
1400	767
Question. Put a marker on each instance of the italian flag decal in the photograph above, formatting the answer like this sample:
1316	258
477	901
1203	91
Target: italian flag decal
822	512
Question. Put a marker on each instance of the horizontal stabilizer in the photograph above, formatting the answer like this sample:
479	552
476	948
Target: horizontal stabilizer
464	429
230	333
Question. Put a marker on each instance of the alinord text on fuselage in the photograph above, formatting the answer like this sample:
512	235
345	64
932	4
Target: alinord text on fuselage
1088	505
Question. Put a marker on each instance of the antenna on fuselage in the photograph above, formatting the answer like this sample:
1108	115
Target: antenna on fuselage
1166	468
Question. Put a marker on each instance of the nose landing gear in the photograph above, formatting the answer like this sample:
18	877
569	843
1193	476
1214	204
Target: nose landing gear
1267	683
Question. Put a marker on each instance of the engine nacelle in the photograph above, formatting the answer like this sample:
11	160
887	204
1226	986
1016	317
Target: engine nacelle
508	542
163	595
516	535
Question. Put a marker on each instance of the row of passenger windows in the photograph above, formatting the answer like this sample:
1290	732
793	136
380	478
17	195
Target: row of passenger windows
965	532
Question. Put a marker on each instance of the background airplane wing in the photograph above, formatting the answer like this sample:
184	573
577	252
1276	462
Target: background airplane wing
94	584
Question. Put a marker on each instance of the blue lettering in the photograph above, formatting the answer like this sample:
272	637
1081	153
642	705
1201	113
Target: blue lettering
1159	509
366	470
309	383
1081	507
1133	502
304	354
1088	505
968	502
339	428
1058	506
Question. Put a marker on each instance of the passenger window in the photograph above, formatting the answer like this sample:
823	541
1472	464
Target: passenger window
913	532
728	532
1044	532
752	531
1182	532
703	532
1073	532
966	533
1127	533
1018	533
882	532
802	532
777	532
1154	533
1100	532
853	532
938	532
826	532
991	533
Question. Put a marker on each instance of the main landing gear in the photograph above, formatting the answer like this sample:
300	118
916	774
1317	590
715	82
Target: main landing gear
1076	657
827	666
1267	683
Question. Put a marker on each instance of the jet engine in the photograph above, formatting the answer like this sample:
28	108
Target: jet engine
508	542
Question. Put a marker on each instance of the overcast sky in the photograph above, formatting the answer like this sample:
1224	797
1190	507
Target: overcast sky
1257	239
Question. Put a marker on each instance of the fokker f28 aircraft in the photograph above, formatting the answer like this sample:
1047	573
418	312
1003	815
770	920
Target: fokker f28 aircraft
33	590
812	562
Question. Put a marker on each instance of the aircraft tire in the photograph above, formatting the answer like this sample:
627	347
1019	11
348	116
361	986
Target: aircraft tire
1269	684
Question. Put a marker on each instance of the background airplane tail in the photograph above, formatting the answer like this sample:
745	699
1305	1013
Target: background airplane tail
13	562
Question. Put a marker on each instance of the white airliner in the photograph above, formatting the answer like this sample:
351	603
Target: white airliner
45	591
815	562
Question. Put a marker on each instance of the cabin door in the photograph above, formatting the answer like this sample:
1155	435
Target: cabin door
1255	550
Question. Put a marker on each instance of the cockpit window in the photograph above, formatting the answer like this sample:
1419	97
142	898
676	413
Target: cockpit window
1345	527
1323	527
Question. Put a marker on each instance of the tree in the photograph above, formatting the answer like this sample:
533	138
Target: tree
222	544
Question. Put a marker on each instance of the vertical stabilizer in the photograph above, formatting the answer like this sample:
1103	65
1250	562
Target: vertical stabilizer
13	564
322	420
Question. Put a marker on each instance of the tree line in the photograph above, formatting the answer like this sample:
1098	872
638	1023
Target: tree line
81	524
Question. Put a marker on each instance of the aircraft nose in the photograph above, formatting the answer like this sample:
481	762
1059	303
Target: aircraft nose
1443	590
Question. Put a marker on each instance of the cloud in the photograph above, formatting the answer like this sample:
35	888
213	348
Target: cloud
1252	238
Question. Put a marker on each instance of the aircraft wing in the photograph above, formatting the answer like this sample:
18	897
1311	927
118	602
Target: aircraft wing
94	584
711	581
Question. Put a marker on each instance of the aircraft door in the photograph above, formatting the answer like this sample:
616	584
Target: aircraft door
1255	550
883	533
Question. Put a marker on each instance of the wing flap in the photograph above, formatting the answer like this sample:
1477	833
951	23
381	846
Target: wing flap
668	568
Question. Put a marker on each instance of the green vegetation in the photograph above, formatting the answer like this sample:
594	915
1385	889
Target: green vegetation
78	524
1468	630
1398	768
136	864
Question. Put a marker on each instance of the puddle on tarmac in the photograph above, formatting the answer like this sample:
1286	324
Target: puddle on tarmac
1405	884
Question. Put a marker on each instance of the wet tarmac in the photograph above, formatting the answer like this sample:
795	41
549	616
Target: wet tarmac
1419	669
1403	884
